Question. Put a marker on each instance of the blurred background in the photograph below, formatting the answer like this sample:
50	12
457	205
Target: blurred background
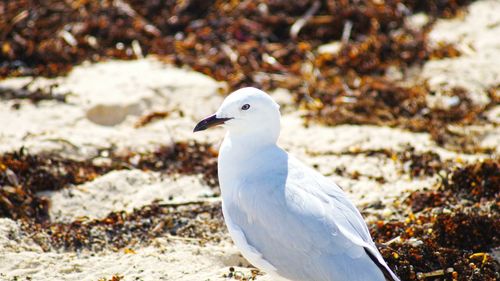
102	179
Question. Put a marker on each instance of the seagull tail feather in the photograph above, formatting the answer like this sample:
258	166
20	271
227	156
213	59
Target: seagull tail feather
388	274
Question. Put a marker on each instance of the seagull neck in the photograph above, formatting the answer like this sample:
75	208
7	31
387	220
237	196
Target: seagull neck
238	155
254	140
244	146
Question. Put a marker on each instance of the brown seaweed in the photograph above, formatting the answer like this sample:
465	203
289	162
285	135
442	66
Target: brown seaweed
254	44
452	230
22	175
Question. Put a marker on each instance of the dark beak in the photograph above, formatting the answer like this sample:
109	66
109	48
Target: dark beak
208	122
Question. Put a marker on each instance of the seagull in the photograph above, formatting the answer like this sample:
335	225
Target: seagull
286	218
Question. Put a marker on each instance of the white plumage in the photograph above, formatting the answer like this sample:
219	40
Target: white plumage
286	218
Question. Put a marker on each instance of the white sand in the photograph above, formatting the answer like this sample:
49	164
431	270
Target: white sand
109	98
123	190
477	38
165	259
106	100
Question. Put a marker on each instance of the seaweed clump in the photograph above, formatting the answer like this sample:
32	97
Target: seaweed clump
354	99
225	40
412	162
198	222
268	44
423	164
188	158
451	231
34	95
23	175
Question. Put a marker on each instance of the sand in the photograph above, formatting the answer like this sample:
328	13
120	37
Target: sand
107	99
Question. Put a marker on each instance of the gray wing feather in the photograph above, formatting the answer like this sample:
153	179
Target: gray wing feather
301	211
348	215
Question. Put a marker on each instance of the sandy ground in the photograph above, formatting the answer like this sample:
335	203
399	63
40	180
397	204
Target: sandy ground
107	99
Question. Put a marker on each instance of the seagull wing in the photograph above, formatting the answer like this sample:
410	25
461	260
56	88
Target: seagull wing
303	225
346	216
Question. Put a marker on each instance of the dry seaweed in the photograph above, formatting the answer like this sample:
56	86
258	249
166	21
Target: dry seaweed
35	95
261	43
115	277
49	37
464	186
476	182
451	230
416	164
353	99
148	118
221	39
22	175
423	164
201	222
238	275
188	158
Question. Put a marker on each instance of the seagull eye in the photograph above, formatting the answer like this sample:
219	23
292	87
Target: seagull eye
245	106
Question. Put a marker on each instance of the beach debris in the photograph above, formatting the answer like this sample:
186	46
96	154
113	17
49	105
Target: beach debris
188	158
252	43
451	226
456	222
379	101
435	273
22	175
36	94
150	117
240	275
48	38
267	44
115	277
411	162
120	230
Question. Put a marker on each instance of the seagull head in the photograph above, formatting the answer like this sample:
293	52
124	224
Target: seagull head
246	112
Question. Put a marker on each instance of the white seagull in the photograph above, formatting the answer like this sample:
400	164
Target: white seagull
284	217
